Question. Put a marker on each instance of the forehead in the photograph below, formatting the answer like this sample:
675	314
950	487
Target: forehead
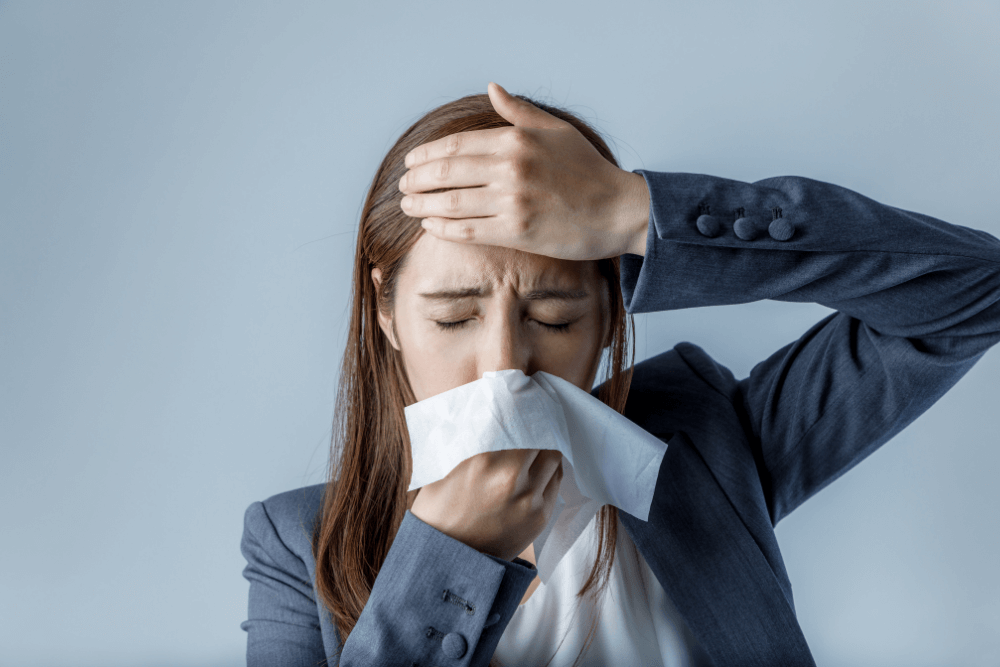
437	264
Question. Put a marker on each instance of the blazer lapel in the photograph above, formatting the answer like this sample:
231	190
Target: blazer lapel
707	561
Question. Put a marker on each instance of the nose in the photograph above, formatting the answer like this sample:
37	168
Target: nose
503	347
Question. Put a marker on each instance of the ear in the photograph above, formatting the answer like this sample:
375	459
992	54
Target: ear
384	321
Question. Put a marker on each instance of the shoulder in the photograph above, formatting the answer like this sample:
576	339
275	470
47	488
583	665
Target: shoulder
284	522
672	386
709	371
685	367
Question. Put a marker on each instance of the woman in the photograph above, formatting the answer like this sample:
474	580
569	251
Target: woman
518	198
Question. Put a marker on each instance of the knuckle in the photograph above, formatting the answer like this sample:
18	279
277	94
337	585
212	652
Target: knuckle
520	204
542	513
442	168
525	504
519	170
468	233
507	484
518	137
452	144
508	166
452	200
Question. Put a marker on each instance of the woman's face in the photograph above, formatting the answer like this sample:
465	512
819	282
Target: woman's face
499	300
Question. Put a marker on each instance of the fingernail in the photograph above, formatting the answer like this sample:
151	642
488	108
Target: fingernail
407	200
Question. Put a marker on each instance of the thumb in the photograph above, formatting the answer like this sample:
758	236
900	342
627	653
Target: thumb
518	112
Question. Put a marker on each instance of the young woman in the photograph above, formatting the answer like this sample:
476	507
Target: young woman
521	244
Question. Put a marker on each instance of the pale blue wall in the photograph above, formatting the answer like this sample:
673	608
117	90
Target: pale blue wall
179	186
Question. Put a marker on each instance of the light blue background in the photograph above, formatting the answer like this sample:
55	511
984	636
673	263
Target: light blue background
180	185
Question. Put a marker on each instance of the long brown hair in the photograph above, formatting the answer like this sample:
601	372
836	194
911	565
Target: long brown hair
365	498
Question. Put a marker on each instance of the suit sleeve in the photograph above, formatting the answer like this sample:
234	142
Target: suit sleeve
435	601
916	300
282	623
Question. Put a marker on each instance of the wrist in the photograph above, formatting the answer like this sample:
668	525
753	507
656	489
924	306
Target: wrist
634	213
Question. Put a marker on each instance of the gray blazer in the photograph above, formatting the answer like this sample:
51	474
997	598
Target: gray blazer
917	306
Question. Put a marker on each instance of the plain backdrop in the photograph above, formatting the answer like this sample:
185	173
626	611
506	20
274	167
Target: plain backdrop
180	185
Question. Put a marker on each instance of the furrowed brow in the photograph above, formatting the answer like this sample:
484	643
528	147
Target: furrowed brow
534	295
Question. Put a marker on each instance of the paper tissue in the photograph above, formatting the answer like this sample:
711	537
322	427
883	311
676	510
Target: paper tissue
607	459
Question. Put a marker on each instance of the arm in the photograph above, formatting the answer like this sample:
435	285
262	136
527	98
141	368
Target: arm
917	301
436	600
282	623
408	617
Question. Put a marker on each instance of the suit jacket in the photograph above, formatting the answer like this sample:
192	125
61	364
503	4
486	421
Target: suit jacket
916	302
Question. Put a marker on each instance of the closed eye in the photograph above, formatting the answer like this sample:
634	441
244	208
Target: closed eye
450	326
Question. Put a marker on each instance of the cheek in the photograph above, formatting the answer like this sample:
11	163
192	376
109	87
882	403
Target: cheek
569	355
569	344
575	358
424	342
431	362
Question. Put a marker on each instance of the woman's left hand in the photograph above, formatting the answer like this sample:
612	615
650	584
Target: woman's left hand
539	186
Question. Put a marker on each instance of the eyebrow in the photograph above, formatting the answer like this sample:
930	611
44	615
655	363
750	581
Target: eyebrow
535	295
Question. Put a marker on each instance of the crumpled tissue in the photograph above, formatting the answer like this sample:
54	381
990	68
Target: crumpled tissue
607	459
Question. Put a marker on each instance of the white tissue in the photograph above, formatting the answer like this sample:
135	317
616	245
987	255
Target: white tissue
607	459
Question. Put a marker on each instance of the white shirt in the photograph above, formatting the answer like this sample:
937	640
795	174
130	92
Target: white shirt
638	623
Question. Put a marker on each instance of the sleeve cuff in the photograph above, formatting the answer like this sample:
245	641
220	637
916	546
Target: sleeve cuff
636	270
423	563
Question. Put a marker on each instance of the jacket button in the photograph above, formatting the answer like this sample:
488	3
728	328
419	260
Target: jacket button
453	645
746	229
780	229
708	225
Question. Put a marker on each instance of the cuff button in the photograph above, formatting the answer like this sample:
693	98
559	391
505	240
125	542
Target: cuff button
453	645
746	229
780	229
708	225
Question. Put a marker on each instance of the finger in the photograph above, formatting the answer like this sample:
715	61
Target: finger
520	459
455	204
481	231
473	142
546	465
509	458
521	112
552	487
452	172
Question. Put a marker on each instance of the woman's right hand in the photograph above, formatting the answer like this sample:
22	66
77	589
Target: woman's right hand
495	502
